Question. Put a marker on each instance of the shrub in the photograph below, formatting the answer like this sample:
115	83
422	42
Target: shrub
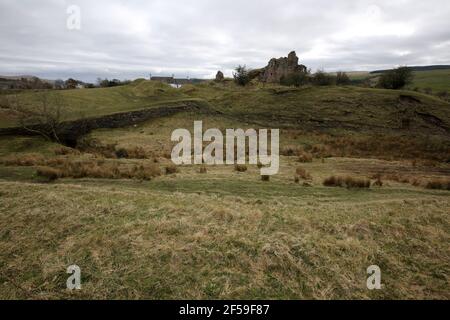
137	153
348	182
146	172
342	79
96	147
333	181
290	151
203	169
305	157
121	153
240	167
438	184
396	78
302	173
50	173
294	79
241	76
131	153
297	179
265	178
171	169
102	170
321	78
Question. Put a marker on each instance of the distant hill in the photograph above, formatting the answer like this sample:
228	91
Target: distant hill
419	68
24	82
28	77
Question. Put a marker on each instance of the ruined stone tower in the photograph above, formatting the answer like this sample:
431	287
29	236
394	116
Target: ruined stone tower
281	67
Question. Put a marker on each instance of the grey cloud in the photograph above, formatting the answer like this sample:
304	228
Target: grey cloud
129	39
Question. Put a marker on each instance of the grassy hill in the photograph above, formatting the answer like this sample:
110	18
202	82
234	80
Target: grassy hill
100	101
437	80
323	108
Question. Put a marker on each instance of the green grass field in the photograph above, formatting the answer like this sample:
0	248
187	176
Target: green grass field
436	80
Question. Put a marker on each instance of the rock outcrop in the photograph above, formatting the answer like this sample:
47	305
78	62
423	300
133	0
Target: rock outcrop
219	76
281	67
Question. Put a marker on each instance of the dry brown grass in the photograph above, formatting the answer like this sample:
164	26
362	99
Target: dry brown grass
305	157
94	146
78	169
64	151
137	241
203	169
427	151
50	173
171	169
302	173
378	183
347	181
438	184
25	160
240	168
132	153
290	151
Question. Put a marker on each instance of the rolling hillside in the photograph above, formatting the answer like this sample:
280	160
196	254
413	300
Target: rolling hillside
310	108
436	78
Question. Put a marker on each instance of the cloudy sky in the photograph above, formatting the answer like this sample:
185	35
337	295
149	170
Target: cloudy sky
130	39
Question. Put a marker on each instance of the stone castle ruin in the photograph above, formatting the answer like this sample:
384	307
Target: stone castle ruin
281	67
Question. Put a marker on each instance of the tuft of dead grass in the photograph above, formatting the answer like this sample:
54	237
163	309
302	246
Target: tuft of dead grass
347	181
302	173
171	169
64	151
78	169
240	168
50	173
305	157
438	184
25	160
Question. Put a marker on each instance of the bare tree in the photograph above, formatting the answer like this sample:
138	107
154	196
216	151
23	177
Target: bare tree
44	117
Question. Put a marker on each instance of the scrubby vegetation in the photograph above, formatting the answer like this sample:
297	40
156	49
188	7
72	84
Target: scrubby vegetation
347	182
438	184
302	173
240	168
396	78
171	169
241	76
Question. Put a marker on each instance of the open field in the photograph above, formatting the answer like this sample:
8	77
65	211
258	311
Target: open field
220	234
436	80
223	235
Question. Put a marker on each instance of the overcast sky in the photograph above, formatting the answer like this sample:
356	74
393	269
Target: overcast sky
130	39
